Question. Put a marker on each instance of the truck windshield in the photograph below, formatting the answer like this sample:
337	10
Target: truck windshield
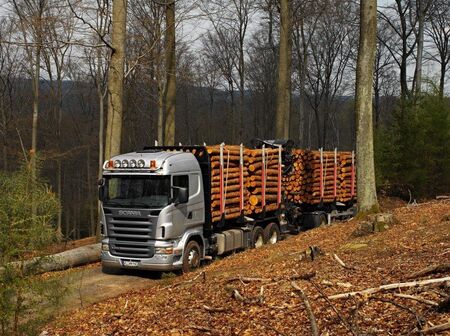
137	191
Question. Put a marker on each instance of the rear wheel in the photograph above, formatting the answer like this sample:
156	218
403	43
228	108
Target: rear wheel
258	237
322	220
191	257
272	233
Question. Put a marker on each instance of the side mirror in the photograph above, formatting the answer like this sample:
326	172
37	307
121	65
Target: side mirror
101	189
182	196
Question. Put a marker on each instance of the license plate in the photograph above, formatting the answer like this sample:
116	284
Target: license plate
130	263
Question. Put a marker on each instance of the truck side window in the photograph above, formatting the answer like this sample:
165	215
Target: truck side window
181	181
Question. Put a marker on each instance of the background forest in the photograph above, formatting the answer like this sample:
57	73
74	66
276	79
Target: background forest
54	60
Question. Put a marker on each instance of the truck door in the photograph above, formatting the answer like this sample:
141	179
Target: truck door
190	214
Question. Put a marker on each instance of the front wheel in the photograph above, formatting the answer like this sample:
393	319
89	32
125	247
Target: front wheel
112	270
191	257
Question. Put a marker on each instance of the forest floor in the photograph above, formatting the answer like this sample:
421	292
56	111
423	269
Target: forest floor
251	293
87	285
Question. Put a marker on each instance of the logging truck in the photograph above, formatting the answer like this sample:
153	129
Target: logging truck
169	208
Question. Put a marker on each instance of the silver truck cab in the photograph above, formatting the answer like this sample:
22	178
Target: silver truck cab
153	211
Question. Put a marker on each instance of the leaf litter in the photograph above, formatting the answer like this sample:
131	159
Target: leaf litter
250	293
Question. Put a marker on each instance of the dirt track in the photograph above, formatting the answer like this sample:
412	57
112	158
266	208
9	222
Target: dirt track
88	285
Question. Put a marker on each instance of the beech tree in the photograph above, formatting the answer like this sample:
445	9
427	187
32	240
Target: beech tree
218	50
439	33
115	79
332	45
31	23
367	194
11	64
284	72
421	10
401	40
56	56
171	89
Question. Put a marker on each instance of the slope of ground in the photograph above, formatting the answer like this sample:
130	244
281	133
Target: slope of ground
88	284
215	301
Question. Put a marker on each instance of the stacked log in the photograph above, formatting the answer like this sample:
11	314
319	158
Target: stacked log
297	177
347	177
231	182
324	174
313	180
263	179
309	179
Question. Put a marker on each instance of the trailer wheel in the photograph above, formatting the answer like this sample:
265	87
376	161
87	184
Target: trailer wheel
191	256
272	233
258	237
323	220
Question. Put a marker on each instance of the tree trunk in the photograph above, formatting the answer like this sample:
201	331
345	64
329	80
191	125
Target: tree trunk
160	111
377	100
61	261
367	197
115	80
302	59
233	112
241	110
284	73
211	136
442	78
92	228
404	92
59	234
101	128
34	130
170	95
5	137
5	152
420	36
241	81
37	72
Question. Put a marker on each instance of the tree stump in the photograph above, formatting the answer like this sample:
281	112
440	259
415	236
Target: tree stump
375	223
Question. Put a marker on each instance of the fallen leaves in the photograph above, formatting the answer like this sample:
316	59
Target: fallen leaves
250	293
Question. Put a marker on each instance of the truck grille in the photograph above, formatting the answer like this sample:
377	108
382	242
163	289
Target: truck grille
130	237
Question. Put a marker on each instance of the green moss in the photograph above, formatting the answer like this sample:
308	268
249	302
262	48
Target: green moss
361	215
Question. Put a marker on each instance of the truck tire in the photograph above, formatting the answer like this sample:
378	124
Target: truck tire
258	237
323	220
272	233
112	270
191	256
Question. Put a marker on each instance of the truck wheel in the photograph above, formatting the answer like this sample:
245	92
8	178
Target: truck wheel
272	233
191	256
112	270
323	220
258	237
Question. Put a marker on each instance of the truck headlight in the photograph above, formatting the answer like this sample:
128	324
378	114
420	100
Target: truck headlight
141	163
133	164
125	163
117	164
105	247
164	250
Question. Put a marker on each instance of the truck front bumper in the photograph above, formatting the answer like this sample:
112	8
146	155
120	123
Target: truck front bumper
159	262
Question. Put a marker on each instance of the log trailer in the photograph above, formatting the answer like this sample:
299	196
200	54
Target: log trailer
165	208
